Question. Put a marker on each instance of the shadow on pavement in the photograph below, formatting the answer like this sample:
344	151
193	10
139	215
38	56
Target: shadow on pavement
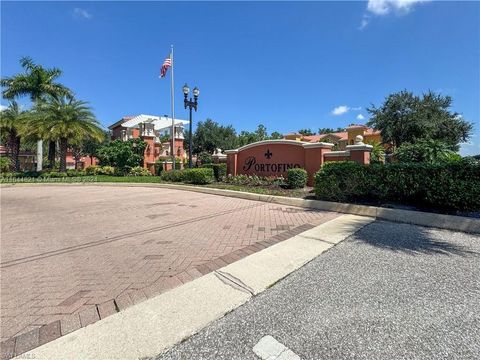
413	239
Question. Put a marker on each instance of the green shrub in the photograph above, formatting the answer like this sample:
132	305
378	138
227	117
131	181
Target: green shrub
9	175
254	180
31	174
92	170
198	176
73	173
172	175
4	164
139	171
53	174
205	158
453	185
296	178
106	170
122	155
431	151
158	167
219	170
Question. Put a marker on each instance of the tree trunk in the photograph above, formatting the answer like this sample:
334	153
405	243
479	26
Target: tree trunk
16	153
9	147
39	155
13	150
63	154
51	154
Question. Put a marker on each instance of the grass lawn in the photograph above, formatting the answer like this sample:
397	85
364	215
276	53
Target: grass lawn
82	179
128	179
265	190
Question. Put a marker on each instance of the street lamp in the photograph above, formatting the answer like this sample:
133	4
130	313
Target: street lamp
191	105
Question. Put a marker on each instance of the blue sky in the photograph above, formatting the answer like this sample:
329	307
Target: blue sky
287	65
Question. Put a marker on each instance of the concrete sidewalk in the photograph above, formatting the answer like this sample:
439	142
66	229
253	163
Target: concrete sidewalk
391	291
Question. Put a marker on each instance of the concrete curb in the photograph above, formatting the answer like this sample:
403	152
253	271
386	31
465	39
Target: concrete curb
449	222
154	325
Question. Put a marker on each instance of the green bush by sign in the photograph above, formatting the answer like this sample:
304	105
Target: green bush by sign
296	178
219	170
198	176
172	175
453	185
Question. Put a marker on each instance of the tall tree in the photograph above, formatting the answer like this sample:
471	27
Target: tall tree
276	135
261	132
88	147
123	155
246	137
407	118
67	119
210	135
306	132
36	82
322	131
12	122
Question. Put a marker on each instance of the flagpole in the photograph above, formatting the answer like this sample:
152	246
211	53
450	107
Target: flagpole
173	111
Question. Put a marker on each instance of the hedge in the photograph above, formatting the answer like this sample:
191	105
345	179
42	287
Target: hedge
219	170
139	171
172	175
198	176
451	185
296	178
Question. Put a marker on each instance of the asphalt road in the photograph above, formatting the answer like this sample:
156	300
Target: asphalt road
391	291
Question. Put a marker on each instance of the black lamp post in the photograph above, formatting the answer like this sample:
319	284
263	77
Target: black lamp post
191	105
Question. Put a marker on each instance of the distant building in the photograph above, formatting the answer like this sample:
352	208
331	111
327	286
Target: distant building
151	129
341	139
26	158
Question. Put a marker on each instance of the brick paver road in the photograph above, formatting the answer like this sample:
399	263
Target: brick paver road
73	254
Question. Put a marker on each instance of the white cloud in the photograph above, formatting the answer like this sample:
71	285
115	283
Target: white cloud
82	13
364	22
342	109
360	117
339	110
2	107
384	7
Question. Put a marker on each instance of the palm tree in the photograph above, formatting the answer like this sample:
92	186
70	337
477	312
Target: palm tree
377	155
37	82
12	121
67	120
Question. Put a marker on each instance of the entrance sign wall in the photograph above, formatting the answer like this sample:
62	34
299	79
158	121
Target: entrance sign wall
275	157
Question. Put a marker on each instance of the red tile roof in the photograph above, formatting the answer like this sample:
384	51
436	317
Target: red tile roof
342	135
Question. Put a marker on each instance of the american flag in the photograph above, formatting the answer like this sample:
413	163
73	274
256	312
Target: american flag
166	64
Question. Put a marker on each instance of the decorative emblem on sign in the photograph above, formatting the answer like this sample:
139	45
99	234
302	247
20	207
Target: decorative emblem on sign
268	154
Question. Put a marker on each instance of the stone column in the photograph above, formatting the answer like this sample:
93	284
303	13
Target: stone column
360	152
314	158
232	162
149	154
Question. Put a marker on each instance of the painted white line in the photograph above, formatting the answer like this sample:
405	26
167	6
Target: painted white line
268	348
